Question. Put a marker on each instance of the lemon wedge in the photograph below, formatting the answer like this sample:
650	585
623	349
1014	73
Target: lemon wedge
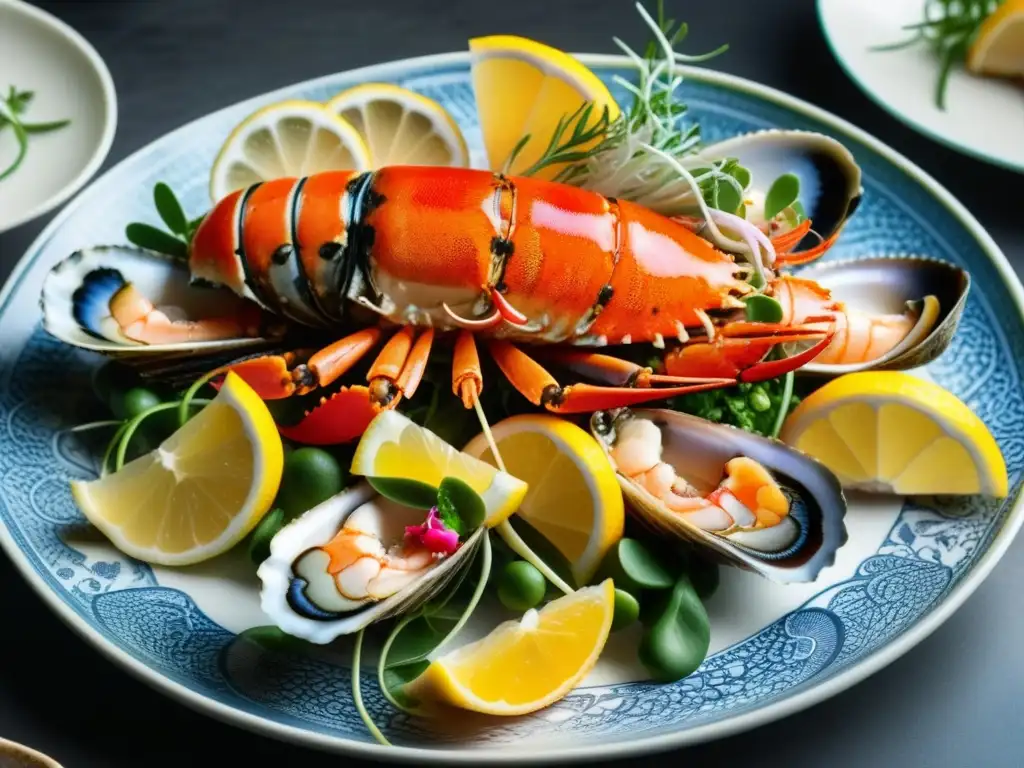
401	127
524	665
395	446
289	138
998	48
892	432
574	499
525	87
200	492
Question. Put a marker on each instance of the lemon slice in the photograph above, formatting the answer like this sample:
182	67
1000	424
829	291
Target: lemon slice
401	127
998	48
200	492
525	665
395	446
892	432
574	499
525	87
290	138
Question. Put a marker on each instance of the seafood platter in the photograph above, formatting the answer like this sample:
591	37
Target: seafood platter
513	394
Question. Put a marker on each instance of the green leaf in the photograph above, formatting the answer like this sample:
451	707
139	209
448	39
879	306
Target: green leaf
729	199
763	309
411	493
741	174
19	101
676	641
265	530
633	568
151	238
783	192
449	514
44	127
272	638
416	640
22	138
395	677
170	210
466	502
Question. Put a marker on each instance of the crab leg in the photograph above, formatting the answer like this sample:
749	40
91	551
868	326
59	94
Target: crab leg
540	387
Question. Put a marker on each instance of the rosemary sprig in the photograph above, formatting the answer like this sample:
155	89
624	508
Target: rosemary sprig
949	28
12	107
565	150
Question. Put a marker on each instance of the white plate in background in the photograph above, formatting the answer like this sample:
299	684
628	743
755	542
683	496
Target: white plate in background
983	117
40	53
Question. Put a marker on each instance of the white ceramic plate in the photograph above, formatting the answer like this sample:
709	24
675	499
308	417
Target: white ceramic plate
984	117
40	53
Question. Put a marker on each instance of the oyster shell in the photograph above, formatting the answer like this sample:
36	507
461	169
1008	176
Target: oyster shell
789	546
77	292
932	293
830	178
298	600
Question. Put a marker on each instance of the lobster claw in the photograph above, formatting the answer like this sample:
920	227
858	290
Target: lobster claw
340	418
736	356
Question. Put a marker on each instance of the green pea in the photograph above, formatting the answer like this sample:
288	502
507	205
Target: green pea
759	401
521	586
130	403
676	642
110	379
310	476
633	568
627	610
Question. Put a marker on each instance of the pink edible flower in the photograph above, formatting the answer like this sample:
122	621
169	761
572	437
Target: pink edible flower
433	534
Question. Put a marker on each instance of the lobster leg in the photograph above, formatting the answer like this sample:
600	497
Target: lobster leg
467	379
540	387
398	369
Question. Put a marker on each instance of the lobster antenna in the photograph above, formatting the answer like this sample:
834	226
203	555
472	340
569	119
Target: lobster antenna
504	528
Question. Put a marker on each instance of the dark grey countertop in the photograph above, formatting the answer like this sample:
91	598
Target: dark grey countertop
954	700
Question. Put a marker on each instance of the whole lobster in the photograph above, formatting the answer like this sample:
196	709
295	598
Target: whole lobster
518	263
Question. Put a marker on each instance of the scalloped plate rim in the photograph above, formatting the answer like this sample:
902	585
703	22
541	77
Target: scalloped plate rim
815	693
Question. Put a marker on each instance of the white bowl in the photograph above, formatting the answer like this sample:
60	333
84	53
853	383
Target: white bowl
40	53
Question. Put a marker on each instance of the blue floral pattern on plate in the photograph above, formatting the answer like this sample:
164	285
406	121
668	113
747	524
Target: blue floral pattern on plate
933	546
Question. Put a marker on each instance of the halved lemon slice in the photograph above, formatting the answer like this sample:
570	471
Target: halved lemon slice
892	432
525	665
395	446
200	492
574	499
401	127
998	48
525	87
290	138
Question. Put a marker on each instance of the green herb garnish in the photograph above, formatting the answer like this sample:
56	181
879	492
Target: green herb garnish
12	107
180	230
760	408
949	28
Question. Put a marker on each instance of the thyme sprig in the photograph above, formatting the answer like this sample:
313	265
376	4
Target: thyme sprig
12	107
949	28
